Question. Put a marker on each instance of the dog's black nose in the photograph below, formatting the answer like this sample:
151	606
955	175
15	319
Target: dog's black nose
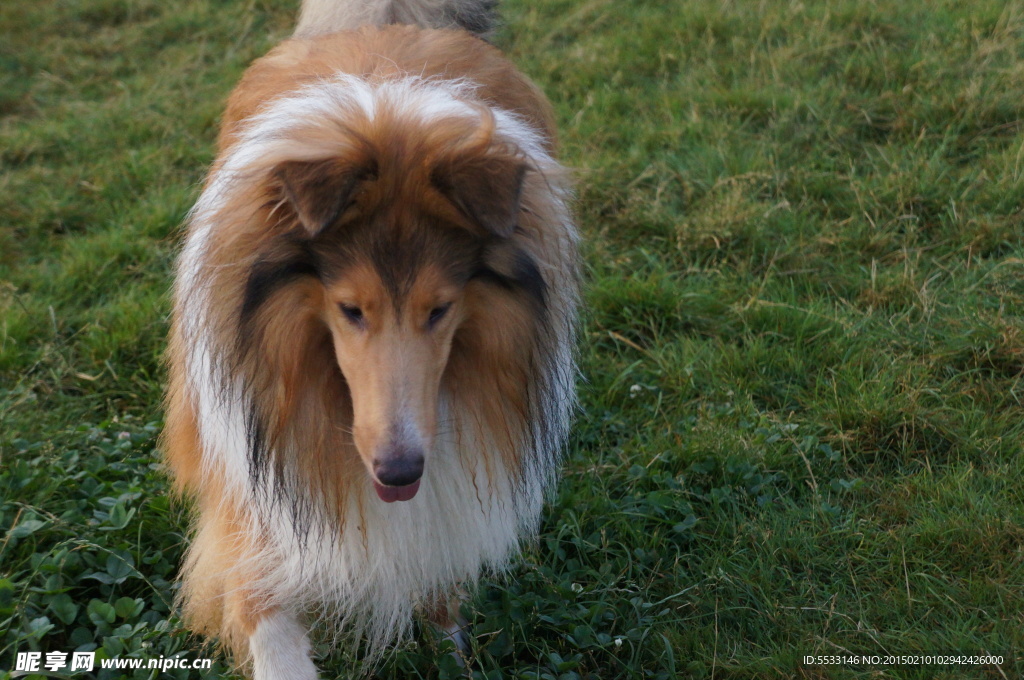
399	468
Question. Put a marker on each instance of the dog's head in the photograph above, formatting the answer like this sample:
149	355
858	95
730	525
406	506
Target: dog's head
405	256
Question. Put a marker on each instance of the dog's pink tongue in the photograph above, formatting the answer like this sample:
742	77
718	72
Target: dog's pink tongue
390	494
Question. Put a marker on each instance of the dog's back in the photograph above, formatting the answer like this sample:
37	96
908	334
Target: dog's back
318	17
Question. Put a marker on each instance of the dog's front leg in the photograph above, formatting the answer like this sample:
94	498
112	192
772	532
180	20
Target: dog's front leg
445	619
279	649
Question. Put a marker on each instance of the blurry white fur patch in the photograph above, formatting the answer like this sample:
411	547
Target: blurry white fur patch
280	649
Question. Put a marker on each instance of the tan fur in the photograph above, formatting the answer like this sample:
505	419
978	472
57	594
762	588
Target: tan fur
394	365
222	604
333	393
387	52
180	437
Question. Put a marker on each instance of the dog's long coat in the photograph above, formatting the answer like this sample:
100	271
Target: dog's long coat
371	353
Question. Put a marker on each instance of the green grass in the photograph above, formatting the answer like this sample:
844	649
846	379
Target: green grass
801	427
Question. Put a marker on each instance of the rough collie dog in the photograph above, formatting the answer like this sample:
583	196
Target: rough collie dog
371	363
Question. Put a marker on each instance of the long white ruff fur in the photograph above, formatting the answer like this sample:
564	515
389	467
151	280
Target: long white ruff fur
471	512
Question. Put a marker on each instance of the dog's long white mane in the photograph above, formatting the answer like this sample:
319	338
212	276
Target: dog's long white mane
320	17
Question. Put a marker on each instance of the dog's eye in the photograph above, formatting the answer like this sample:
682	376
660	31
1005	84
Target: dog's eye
353	314
437	313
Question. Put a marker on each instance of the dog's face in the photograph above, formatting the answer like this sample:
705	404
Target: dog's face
392	351
396	254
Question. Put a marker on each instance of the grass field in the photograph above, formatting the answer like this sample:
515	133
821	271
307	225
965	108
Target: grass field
803	353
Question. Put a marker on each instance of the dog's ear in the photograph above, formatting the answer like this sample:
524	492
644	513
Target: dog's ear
486	189
319	191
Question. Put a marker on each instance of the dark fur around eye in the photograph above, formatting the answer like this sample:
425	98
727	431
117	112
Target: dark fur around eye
353	314
437	313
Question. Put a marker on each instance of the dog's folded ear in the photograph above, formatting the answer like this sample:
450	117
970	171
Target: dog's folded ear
319	191
486	189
